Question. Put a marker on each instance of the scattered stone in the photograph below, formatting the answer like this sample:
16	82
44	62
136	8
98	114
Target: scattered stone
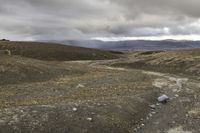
150	115
163	99
138	127
80	86
35	102
178	130
176	95
89	119
194	112
157	104
142	124
152	106
75	109
153	112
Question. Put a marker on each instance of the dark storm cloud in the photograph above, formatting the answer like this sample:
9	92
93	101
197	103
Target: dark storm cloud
74	19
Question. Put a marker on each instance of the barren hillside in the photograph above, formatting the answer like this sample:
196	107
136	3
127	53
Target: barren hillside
53	51
41	91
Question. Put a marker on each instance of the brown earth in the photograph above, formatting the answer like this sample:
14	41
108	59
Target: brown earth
99	96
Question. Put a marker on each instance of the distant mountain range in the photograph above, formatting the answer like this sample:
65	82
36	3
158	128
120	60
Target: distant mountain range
133	44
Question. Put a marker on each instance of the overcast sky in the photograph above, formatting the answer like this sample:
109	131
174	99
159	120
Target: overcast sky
85	19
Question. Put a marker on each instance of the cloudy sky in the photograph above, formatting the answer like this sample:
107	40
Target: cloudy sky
85	19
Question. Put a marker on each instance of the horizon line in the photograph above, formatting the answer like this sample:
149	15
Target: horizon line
150	38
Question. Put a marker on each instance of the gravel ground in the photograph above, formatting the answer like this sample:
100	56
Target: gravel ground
93	97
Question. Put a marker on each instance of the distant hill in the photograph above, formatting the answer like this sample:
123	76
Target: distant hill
134	44
54	51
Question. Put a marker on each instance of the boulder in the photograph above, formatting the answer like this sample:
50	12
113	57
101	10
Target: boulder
163	98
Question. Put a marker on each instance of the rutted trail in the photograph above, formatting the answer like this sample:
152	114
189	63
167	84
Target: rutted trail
164	120
175	116
169	84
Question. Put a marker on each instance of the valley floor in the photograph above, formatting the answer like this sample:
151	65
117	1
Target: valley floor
107	96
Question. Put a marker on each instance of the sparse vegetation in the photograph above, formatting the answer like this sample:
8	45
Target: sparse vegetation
58	52
15	70
45	93
186	61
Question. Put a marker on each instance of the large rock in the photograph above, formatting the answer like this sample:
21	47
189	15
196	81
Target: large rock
163	98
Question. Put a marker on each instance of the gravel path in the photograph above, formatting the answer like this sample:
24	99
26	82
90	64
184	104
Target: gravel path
181	114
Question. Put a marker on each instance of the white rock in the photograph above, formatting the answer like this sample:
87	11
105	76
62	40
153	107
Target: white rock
153	112
176	95
150	115
152	106
163	98
74	109
80	86
89	119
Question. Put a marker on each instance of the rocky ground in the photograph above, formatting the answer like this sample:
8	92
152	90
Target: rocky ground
107	96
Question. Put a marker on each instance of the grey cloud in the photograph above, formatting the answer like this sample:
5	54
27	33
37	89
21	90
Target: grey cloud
76	19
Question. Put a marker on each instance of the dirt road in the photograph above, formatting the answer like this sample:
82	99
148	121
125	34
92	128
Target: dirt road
180	115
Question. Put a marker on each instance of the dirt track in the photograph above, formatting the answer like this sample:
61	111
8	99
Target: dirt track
181	114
